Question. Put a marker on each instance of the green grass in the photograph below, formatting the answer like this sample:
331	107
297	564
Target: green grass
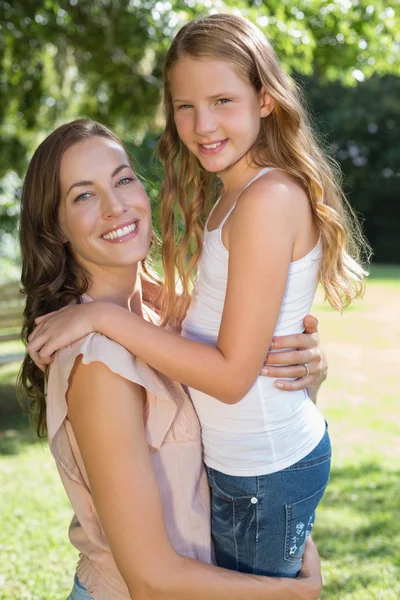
358	523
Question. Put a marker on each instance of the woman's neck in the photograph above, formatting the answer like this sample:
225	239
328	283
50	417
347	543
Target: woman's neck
122	287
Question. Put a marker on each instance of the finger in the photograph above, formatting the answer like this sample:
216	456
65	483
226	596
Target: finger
48	350
293	386
35	345
46	359
297	340
311	560
44	317
294	371
37	331
36	358
295	357
310	324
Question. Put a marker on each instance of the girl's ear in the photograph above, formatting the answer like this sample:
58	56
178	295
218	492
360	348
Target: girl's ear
267	103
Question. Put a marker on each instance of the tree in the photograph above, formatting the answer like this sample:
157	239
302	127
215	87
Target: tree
62	59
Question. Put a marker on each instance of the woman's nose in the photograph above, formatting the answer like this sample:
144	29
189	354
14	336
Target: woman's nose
112	204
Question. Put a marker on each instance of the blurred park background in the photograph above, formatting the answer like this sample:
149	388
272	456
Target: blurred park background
61	60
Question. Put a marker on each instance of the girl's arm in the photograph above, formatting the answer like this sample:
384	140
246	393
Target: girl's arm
112	440
261	240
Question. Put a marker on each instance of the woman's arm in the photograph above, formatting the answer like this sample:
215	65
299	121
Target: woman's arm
261	241
112	440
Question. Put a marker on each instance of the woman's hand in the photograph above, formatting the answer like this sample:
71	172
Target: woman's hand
307	363
59	329
310	573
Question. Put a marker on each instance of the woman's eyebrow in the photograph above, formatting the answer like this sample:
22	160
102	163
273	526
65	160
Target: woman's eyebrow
118	169
87	182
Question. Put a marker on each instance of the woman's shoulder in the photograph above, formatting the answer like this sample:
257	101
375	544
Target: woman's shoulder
97	348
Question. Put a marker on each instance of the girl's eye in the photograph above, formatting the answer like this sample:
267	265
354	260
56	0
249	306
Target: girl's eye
83	196
223	101
125	180
183	106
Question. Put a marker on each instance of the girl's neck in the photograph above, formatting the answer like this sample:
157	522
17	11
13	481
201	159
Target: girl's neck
235	179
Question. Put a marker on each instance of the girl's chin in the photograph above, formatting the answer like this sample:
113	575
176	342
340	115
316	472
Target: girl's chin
214	166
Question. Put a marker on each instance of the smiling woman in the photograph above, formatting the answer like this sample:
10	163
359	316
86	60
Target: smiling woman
99	216
125	438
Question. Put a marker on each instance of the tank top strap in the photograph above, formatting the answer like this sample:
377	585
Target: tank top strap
265	170
227	215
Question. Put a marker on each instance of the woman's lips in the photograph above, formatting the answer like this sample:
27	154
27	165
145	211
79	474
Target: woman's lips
121	234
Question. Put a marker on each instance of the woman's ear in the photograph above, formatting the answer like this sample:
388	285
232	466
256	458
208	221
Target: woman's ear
62	237
267	103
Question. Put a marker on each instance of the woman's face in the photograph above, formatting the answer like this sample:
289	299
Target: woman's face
104	211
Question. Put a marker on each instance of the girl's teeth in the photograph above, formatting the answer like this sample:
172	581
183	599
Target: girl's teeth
113	235
209	146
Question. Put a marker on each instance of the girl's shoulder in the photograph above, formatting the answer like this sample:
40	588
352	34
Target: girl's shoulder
276	182
276	190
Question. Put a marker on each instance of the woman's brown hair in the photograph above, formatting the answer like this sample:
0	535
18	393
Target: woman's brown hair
286	141
51	275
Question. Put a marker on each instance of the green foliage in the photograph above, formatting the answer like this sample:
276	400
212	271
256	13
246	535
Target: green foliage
360	126
60	59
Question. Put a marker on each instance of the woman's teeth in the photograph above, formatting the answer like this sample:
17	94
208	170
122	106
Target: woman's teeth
119	233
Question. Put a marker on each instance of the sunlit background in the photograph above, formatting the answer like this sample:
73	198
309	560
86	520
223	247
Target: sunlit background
62	60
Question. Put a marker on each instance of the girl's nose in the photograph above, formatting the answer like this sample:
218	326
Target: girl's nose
205	123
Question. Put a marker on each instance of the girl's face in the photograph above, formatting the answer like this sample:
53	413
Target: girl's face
217	114
104	211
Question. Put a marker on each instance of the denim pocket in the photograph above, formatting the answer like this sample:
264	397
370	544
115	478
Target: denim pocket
300	518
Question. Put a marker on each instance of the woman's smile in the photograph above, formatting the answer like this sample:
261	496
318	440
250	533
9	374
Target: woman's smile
122	232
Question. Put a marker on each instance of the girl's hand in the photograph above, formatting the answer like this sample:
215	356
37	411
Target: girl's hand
307	363
59	329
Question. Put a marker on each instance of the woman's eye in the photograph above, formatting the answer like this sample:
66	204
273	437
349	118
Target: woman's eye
81	197
183	106
125	180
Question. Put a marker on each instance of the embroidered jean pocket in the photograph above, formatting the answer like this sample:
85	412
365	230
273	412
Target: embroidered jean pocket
300	517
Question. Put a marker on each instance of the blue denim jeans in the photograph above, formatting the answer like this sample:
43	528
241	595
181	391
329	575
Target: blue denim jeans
260	524
79	591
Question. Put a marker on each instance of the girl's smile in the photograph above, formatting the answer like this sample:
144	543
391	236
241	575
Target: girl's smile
213	147
217	113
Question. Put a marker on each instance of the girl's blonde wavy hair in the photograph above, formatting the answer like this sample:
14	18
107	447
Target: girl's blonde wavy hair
285	141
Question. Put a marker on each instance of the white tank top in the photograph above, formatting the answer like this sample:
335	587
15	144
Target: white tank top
269	429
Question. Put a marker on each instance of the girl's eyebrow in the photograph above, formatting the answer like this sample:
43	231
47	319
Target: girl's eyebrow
87	182
214	97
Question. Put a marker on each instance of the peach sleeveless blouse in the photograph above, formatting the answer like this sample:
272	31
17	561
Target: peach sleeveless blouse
173	434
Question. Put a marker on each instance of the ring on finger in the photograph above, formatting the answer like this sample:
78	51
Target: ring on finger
305	365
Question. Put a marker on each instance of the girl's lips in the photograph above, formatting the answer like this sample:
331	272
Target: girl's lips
125	237
219	148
